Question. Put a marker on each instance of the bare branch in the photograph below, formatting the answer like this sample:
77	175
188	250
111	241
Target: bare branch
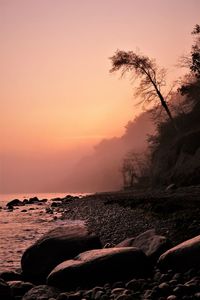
152	79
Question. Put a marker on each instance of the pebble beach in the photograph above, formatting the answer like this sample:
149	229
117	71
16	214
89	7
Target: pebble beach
113	217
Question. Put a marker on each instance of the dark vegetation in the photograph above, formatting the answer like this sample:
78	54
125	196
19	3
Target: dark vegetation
174	150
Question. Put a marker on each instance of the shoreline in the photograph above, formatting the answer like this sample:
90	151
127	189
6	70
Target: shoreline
116	216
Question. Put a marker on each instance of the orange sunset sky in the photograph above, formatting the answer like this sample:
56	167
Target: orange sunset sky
57	97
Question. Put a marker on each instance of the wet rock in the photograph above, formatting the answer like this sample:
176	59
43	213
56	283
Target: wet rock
55	247
149	242
182	257
98	267
5	291
41	292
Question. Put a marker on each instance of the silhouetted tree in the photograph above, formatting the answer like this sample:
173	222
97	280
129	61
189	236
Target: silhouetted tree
134	167
191	82
195	54
152	79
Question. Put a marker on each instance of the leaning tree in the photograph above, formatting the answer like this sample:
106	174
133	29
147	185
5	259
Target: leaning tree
151	78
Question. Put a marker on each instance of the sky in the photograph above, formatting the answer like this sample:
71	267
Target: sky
57	97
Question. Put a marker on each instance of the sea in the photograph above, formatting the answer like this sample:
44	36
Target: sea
21	227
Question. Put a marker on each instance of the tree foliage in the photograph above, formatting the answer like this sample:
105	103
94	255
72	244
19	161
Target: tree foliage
195	54
191	84
151	78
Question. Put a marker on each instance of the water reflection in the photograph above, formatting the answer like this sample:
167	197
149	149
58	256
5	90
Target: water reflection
21	227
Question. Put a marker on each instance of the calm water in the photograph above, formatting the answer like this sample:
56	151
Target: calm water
19	229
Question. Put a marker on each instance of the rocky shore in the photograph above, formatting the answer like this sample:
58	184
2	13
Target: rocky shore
134	245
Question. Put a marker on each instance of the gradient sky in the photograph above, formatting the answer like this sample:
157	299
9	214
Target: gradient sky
56	93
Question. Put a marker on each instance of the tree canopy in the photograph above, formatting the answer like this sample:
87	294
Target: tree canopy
152	78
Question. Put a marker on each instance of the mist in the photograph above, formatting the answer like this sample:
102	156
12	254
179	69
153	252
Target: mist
37	171
101	171
87	167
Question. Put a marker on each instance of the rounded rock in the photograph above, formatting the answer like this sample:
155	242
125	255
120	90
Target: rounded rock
172	297
98	295
164	288
40	291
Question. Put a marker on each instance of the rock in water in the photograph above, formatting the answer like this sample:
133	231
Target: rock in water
182	257
15	202
33	200
98	267
150	243
55	247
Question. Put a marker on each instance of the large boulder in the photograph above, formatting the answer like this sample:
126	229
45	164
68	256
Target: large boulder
5	291
182	257
55	247
150	243
97	267
41	292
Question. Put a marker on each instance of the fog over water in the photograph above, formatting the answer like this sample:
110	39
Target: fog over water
85	168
